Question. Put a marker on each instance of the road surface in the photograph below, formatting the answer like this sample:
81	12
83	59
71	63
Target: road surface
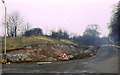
106	61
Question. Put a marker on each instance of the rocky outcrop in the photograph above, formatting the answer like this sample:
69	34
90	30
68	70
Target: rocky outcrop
18	57
47	52
43	52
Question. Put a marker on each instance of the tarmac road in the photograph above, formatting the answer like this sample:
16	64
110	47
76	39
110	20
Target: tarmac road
106	61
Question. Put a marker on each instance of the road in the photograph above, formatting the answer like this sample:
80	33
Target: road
106	61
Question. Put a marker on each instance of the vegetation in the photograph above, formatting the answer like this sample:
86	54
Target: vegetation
21	42
35	31
33	36
15	25
68	42
36	36
115	24
60	34
13	21
91	37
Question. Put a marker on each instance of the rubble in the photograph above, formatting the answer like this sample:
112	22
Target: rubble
45	52
85	54
18	57
50	59
40	52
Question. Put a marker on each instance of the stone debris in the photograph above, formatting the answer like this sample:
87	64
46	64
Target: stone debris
70	57
18	57
50	59
47	52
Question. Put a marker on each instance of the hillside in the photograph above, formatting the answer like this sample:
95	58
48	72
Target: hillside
39	48
21	42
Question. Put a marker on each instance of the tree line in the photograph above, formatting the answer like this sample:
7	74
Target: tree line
91	35
16	26
115	25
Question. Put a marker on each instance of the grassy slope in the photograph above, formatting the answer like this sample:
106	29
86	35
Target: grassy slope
20	42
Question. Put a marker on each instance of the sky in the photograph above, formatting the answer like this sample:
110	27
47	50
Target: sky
70	15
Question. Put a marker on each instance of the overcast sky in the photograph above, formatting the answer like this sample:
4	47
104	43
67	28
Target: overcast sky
70	15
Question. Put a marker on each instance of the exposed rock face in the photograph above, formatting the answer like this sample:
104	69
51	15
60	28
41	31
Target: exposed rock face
51	59
18	57
40	53
47	52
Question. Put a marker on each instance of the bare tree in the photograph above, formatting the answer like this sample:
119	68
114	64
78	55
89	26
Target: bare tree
14	20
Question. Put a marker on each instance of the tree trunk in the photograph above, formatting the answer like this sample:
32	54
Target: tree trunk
15	31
